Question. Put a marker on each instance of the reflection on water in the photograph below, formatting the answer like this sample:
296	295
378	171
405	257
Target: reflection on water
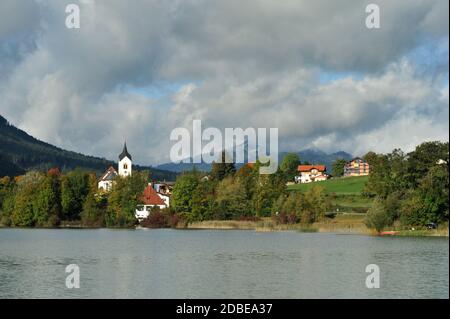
218	264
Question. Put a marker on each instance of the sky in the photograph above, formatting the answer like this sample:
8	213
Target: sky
135	70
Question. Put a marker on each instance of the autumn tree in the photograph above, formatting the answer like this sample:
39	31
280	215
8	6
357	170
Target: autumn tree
224	167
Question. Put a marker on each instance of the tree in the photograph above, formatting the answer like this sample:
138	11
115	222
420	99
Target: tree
412	187
288	208
74	190
183	192
94	207
231	200
377	217
387	174
222	169
425	156
338	167
429	202
47	201
434	191
268	189
124	198
203	201
23	213
5	188
315	206
289	165
248	176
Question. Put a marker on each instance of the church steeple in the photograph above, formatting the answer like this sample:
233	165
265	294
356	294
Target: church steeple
125	162
124	153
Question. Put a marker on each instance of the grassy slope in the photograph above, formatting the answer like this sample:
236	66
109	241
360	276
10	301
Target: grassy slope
345	193
339	186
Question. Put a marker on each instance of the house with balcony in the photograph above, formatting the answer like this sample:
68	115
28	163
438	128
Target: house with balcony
357	167
311	173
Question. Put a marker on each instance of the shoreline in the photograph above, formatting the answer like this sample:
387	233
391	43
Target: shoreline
343	226
346	224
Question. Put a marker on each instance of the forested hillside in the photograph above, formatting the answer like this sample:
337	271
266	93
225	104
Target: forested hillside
20	152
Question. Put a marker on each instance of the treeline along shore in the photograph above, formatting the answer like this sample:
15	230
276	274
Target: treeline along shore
403	192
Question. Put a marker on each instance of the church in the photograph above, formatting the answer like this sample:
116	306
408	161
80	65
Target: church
125	169
155	194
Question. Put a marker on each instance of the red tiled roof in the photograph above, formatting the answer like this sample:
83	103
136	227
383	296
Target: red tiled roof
150	197
308	168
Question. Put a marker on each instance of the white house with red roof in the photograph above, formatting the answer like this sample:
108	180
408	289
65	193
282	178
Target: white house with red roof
311	173
150	199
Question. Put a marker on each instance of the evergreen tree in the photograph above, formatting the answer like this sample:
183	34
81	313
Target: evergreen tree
338	167
222	169
74	190
289	165
94	207
203	204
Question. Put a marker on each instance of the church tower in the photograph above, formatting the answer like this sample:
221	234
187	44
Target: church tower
125	162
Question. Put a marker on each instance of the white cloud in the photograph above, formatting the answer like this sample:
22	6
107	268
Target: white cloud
243	64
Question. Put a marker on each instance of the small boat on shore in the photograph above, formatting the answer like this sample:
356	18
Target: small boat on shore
388	233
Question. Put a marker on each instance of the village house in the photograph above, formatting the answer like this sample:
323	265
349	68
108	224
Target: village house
357	167
311	173
150	199
164	190
106	181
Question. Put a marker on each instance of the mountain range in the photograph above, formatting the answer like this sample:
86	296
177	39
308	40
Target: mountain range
311	156
20	152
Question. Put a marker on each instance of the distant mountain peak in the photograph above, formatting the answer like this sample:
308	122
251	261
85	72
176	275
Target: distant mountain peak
313	150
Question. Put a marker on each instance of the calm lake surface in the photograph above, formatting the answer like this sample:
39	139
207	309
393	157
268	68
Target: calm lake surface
218	264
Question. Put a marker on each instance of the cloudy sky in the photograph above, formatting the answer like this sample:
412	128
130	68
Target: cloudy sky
137	69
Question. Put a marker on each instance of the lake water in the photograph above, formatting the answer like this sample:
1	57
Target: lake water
218	264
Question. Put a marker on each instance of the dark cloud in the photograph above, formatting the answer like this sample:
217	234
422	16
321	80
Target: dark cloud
236	63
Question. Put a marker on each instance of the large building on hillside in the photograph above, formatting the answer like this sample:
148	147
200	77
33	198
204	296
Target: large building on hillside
357	167
311	173
125	169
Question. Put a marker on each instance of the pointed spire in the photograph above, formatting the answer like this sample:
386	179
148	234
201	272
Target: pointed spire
124	153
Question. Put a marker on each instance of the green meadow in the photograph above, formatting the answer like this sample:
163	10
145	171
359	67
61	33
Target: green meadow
338	186
345	193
